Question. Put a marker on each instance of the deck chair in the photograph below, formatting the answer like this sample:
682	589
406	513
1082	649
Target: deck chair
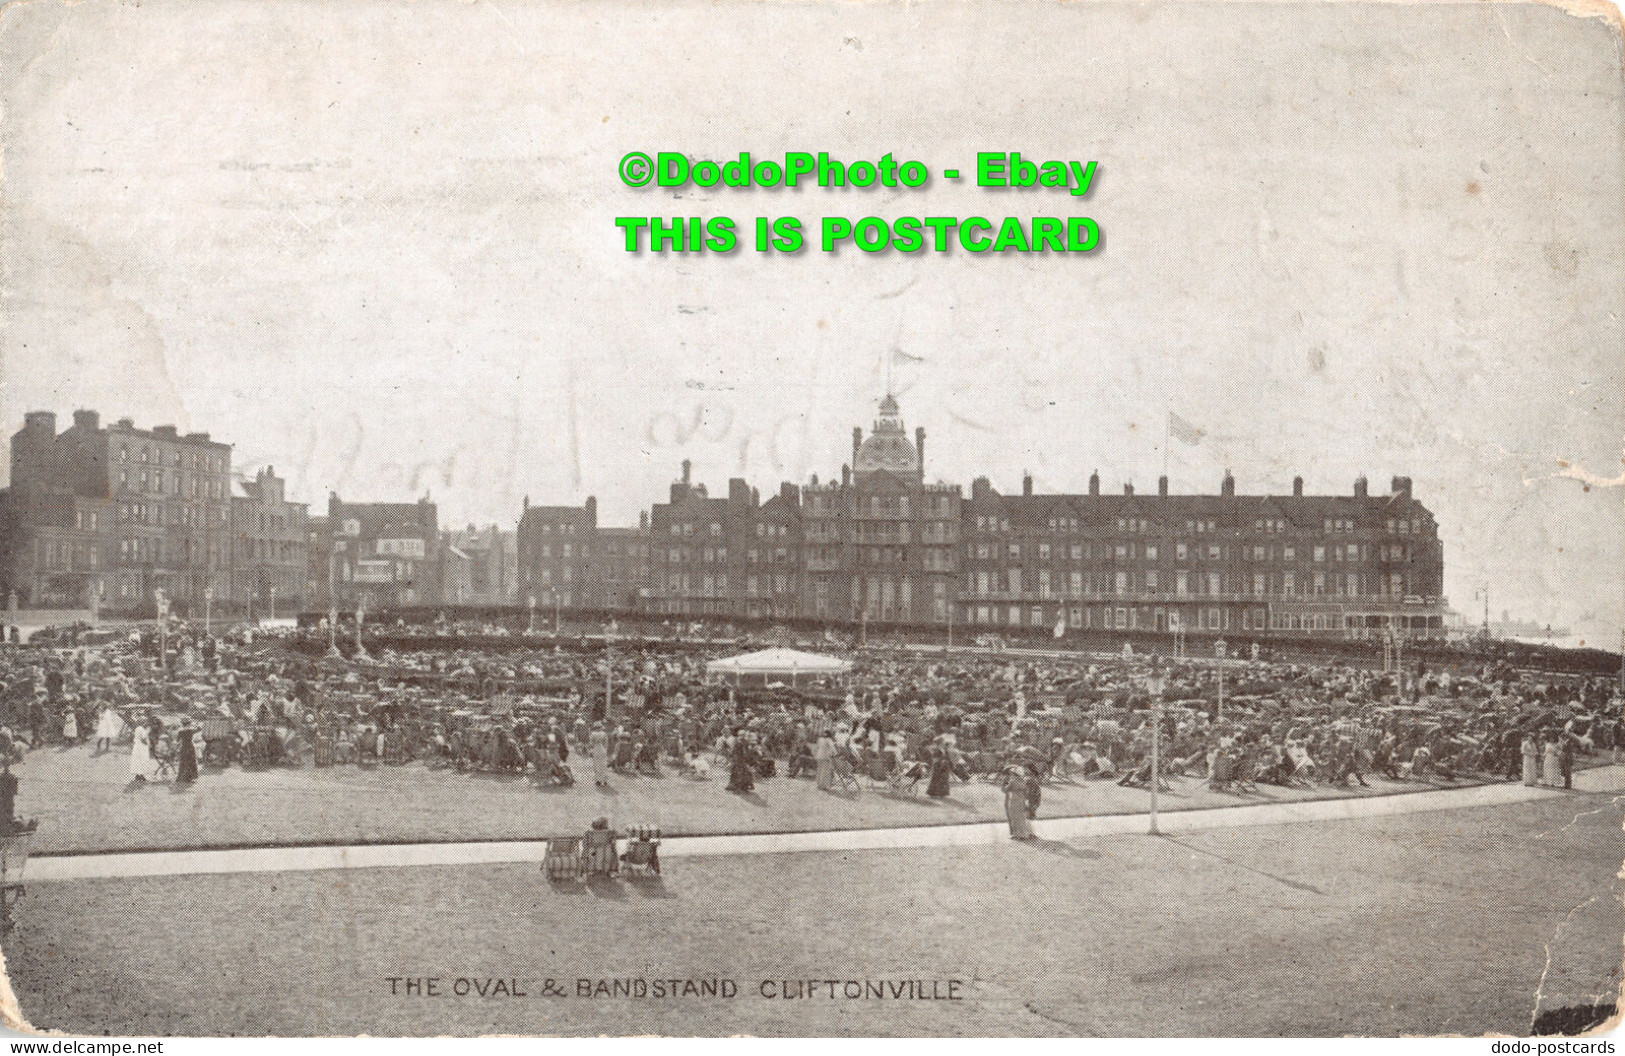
163	757
563	858
843	772
905	780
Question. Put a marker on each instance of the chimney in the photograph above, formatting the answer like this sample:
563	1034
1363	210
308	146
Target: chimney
527	504
592	511
1094	483
687	467
1401	487
1162	486
165	431
846	476
980	489
643	520
755	498
1027	485
1360	488
86	420
1128	488
790	493
1297	487
1228	487
857	440
919	447
814	480
42	421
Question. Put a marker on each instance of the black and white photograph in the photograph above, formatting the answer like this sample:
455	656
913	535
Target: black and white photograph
811	520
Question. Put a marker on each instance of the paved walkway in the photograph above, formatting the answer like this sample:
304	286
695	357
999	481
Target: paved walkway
53	868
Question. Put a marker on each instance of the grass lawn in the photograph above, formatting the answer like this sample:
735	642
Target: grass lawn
1423	923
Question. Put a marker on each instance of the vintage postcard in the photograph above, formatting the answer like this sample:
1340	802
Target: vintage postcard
811	519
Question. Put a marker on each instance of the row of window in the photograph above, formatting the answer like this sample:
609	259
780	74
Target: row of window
155	480
982	583
1187	552
154	513
199	461
268	550
883	505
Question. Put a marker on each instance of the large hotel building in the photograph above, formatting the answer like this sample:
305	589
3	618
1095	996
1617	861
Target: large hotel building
881	546
107	516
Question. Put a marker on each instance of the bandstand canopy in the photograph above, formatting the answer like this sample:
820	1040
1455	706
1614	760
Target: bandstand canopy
779	662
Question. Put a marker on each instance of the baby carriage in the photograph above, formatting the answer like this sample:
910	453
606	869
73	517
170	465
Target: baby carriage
219	742
642	851
164	757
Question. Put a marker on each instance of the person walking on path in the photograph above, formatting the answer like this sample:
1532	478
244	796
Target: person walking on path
599	744
1531	760
141	761
1015	803
740	776
942	766
108	727
186	750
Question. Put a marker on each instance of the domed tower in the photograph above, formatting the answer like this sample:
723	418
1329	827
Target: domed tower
888	446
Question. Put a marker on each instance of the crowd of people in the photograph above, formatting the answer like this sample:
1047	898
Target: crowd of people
185	702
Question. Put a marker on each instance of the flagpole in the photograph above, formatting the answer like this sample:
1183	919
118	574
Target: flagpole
1165	417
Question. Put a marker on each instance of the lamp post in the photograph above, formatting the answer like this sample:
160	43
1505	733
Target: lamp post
1219	653
162	604
333	605
1155	684
208	607
609	670
273	604
556	618
360	614
530	603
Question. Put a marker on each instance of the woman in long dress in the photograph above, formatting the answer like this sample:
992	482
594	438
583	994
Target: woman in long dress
941	768
1531	760
186	771
824	756
740	777
599	743
1015	803
141	767
1553	761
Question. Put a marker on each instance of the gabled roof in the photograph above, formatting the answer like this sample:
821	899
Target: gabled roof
778	508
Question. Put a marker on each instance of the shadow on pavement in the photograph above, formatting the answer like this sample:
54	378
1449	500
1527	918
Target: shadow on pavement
1062	848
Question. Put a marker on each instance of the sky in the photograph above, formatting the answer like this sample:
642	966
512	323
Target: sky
373	246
